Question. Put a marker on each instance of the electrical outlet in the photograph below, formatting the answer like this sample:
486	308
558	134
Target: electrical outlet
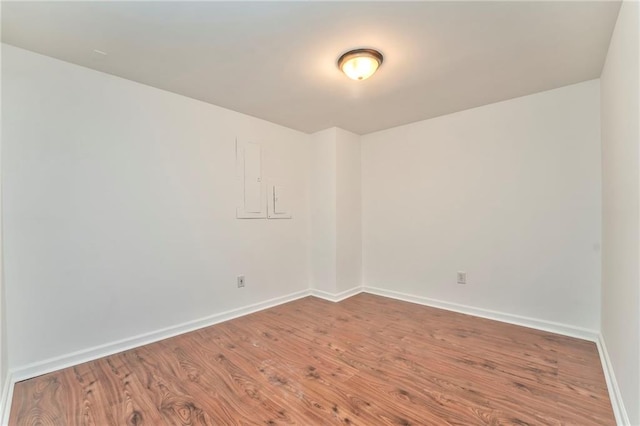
462	277
240	281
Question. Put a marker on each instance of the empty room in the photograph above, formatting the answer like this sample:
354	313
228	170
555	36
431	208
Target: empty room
318	213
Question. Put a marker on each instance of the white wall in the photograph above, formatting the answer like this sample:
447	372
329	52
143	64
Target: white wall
322	221
3	311
508	192
348	211
119	209
621	206
335	208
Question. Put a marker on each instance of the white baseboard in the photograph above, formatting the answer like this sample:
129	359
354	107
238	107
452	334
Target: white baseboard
622	419
6	398
553	327
90	354
337	297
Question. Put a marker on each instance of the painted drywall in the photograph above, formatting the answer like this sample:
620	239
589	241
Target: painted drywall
120	209
322	220
620	90
348	211
508	193
335	211
3	312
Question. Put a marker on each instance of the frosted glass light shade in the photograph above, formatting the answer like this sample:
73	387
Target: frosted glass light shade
360	64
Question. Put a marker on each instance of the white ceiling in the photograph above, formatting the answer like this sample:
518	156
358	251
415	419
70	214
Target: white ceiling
277	60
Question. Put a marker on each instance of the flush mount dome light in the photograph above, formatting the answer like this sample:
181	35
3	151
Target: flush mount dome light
360	64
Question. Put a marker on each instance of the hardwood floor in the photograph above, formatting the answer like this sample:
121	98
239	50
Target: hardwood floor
367	360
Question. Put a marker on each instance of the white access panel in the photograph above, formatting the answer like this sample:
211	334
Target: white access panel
278	202
251	195
252	179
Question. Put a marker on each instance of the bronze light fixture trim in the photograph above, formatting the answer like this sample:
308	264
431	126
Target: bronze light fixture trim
360	64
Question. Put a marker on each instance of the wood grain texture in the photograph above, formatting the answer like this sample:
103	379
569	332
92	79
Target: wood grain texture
367	360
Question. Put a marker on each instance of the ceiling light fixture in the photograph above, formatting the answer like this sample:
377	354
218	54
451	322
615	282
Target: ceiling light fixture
360	64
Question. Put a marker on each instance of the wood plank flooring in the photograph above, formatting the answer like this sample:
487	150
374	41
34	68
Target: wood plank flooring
367	360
